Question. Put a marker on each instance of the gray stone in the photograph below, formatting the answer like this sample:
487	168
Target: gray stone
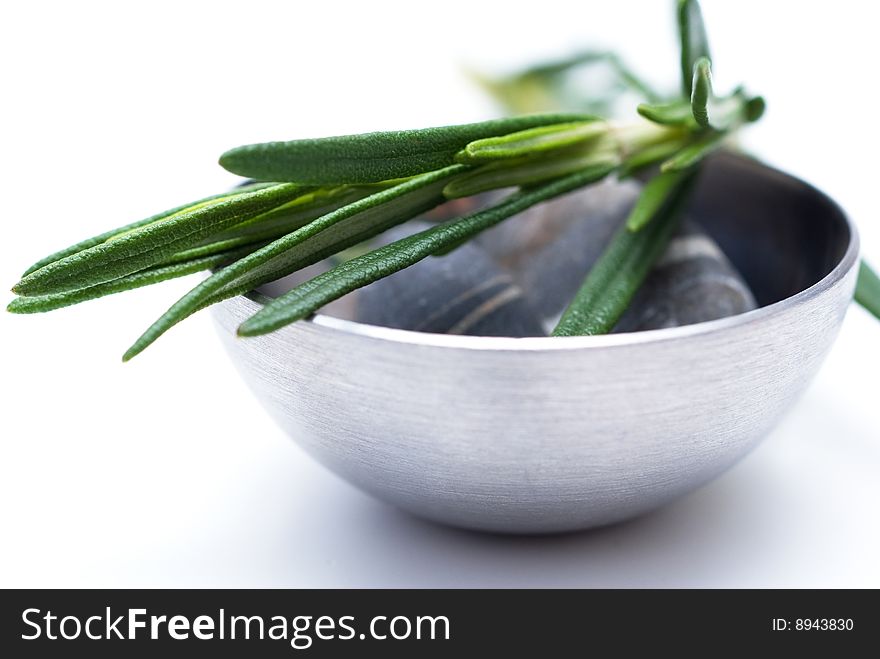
691	283
550	248
463	292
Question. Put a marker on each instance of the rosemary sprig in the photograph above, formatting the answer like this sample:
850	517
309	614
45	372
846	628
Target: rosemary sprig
318	198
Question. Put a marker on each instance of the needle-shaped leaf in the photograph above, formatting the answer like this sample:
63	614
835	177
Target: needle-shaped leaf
317	240
528	171
668	114
701	92
533	141
693	153
868	289
306	298
655	196
755	108
616	277
649	156
693	40
722	114
97	240
155	275
151	244
279	221
372	157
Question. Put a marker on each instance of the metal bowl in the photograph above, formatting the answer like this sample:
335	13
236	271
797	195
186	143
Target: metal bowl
539	435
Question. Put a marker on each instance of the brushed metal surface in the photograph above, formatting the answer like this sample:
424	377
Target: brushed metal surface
540	435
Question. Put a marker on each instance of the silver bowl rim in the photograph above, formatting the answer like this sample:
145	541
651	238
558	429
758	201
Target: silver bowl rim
544	343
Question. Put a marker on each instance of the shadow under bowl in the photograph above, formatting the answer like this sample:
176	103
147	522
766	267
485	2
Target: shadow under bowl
540	435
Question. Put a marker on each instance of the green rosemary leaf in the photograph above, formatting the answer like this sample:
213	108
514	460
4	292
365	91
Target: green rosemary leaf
279	221
614	279
668	114
155	275
693	153
149	245
723	114
654	196
306	298
694	42
325	236
448	249
97	240
649	156
701	91
534	141
527	171
372	157
755	108
868	289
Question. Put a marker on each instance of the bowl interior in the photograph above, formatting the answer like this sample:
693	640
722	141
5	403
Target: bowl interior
782	234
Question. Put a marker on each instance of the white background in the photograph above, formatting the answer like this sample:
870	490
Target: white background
166	471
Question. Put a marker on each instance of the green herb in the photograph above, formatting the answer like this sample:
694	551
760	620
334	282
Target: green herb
616	277
532	141
693	40
525	173
655	194
97	240
41	303
694	152
323	198
669	114
325	236
701	91
372	157
868	289
147	245
524	161
649	156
